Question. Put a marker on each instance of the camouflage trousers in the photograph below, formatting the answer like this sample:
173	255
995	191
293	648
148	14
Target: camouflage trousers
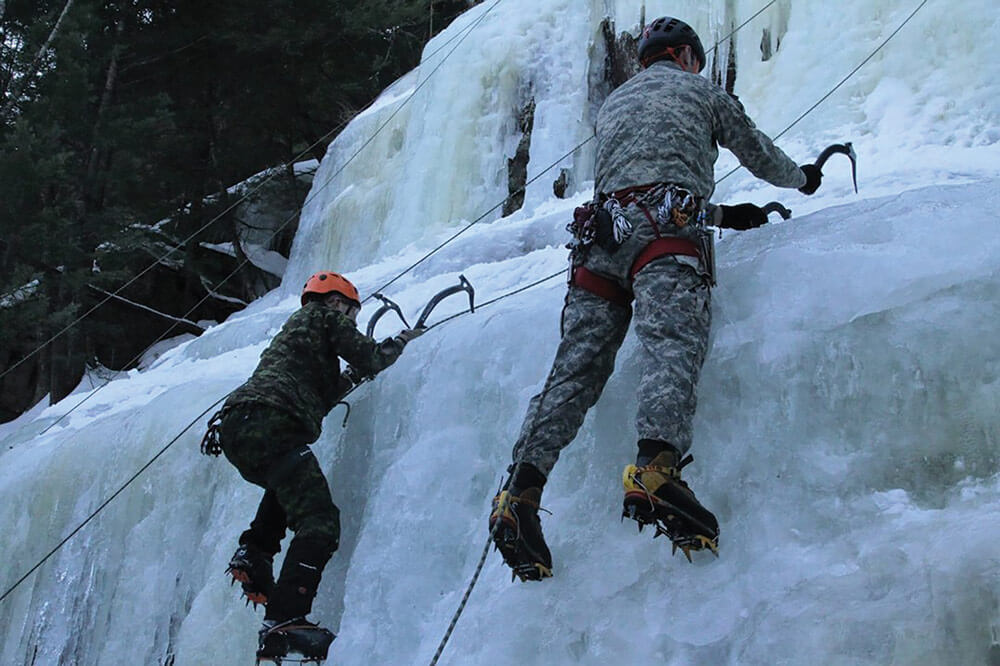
270	449
672	320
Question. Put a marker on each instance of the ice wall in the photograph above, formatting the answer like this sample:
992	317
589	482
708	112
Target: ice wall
448	128
846	435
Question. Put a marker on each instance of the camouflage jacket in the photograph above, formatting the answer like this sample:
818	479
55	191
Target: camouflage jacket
299	372
664	125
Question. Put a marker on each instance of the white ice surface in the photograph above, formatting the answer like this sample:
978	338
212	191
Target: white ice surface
848	422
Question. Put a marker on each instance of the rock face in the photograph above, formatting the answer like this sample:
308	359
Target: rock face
179	281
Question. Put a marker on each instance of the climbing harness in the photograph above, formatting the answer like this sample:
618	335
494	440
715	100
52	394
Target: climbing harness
597	222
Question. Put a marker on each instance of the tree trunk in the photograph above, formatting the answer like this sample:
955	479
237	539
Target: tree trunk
16	91
91	189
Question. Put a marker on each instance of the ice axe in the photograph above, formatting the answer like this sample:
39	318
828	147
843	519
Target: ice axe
845	148
352	377
747	215
390	305
463	285
776	207
387	305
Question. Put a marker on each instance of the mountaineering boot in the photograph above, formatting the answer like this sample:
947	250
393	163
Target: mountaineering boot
517	532
277	639
656	495
253	568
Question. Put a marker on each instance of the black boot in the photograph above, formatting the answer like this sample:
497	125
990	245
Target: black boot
277	639
516	528
300	576
286	628
655	494
253	568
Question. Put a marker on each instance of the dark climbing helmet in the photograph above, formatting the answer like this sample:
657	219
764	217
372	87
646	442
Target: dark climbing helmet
666	33
327	282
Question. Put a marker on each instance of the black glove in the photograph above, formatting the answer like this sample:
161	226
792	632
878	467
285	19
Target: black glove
350	378
813	178
742	217
408	334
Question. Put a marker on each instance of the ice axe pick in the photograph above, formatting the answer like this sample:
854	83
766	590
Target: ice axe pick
845	148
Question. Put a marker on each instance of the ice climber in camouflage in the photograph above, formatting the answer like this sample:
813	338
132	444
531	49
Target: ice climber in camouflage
266	427
642	244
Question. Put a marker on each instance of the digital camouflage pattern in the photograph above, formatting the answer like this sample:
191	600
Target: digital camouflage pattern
664	125
672	319
299	372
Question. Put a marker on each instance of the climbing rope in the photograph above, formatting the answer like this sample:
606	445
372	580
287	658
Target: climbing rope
836	87
478	570
271	175
482	559
313	194
202	415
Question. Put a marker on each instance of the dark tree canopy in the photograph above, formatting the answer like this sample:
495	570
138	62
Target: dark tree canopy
118	112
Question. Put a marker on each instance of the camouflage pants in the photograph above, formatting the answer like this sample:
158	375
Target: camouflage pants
672	320
270	449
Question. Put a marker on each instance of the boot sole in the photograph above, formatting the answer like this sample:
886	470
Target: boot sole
524	564
277	648
684	530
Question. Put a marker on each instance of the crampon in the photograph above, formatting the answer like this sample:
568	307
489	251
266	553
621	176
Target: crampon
657	496
518	537
308	642
252	569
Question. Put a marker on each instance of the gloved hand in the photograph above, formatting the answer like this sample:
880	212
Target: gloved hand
350	378
742	217
408	334
813	178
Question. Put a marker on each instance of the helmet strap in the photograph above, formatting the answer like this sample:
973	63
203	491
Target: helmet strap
683	55
341	304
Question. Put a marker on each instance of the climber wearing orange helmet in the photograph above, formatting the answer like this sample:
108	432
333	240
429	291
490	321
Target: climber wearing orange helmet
265	428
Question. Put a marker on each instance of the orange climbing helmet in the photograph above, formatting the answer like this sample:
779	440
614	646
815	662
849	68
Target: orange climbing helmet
326	282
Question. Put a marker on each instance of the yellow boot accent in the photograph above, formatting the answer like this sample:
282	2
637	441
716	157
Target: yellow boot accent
647	479
502	507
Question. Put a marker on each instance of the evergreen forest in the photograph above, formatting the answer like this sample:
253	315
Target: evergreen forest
124	125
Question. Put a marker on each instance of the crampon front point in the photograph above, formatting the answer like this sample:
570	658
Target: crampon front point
307	642
518	537
687	524
254	597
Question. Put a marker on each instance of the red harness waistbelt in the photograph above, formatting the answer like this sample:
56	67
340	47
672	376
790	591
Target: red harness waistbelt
601	286
613	292
661	247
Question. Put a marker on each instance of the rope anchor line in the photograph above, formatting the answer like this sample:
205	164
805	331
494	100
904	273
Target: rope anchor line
849	151
482	560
